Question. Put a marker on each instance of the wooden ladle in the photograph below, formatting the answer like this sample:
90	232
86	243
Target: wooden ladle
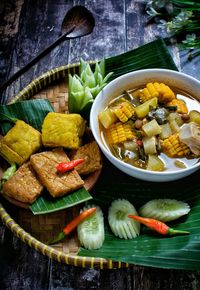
78	22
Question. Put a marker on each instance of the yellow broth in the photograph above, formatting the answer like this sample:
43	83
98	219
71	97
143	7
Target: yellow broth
171	164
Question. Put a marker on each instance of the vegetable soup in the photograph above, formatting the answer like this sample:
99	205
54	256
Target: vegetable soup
154	127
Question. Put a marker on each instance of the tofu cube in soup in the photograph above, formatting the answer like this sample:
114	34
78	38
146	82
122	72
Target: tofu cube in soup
58	184
20	143
63	130
92	158
24	185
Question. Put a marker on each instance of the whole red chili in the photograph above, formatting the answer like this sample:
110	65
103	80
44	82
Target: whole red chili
157	226
72	225
68	165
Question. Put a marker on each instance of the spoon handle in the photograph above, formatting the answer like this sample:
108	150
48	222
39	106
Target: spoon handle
34	60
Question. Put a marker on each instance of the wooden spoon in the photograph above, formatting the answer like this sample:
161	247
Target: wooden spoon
78	22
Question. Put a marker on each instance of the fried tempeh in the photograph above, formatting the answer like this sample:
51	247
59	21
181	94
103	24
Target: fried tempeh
24	185
91	154
58	184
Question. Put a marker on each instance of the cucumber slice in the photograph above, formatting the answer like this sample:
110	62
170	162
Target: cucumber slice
91	231
164	209
121	225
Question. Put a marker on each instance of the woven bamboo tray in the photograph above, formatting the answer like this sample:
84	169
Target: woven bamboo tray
36	230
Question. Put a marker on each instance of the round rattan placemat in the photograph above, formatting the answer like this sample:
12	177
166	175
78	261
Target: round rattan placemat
36	230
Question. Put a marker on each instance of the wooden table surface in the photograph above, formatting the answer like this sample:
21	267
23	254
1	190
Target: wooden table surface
26	28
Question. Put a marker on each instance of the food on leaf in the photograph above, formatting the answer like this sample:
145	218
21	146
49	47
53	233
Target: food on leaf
190	135
73	224
164	209
20	143
23	185
63	130
157	226
91	232
58	184
91	155
37	110
68	165
119	222
84	88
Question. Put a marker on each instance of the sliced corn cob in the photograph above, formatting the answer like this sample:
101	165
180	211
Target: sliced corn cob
119	132
173	147
123	111
181	106
152	90
159	90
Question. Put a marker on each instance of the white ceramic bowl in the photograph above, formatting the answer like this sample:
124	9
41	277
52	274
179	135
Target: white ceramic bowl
129	81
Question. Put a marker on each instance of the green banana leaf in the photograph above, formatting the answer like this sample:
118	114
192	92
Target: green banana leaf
150	248
46	203
151	55
32	112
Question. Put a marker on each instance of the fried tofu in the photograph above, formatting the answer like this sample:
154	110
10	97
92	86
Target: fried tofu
63	130
58	184
24	185
20	142
91	154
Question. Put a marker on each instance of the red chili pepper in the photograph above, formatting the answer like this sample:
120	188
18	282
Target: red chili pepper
139	142
68	165
157	226
72	225
77	220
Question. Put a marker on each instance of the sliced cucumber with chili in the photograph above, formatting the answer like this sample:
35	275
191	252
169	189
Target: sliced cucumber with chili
164	209
120	224
91	231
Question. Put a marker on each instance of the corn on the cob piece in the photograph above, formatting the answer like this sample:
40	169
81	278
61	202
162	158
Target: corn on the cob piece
159	90
173	147
123	111
181	106
119	132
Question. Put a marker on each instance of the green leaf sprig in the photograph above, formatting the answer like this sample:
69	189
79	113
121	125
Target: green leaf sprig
83	88
179	18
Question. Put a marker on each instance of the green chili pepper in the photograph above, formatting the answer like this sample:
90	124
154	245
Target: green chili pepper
8	174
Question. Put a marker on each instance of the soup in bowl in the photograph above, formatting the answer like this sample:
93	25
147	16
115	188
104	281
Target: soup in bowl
147	123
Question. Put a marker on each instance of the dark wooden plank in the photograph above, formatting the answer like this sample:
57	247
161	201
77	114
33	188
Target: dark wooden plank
190	67
39	25
108	37
22	267
9	25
